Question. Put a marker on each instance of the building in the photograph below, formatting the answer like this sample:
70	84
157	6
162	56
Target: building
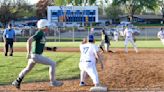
143	19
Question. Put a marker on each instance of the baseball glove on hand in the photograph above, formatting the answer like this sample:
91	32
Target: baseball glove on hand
51	48
54	48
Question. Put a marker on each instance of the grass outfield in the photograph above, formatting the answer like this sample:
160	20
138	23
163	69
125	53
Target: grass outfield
67	67
120	44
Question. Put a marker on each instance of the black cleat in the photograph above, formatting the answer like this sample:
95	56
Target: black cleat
16	84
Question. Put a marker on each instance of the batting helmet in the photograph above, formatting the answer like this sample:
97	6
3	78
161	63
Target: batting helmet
42	24
90	38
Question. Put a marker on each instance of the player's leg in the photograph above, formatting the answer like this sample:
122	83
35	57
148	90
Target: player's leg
126	44
82	78
82	74
162	40
92	72
101	45
11	47
134	45
6	47
29	66
46	61
106	45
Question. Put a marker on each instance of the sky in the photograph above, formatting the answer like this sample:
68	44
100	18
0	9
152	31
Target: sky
33	1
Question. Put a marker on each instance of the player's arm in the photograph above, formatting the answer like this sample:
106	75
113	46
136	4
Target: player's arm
4	36
28	46
99	58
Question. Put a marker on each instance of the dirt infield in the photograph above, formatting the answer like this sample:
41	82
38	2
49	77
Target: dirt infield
143	71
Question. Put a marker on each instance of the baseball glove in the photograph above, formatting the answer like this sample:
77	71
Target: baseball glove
54	48
51	48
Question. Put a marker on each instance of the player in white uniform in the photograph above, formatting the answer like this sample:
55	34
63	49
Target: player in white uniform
87	65
129	37
116	35
161	35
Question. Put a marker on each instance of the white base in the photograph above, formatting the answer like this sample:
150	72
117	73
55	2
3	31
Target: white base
98	89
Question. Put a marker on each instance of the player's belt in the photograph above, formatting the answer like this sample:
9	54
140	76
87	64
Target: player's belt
85	61
88	61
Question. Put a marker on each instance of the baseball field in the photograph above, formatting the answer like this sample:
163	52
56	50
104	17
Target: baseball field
143	71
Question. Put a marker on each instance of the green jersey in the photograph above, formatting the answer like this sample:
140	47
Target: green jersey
39	42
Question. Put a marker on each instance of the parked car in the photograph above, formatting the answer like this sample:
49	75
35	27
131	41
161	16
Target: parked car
18	31
120	29
97	31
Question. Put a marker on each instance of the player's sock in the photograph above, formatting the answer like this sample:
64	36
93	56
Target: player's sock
19	80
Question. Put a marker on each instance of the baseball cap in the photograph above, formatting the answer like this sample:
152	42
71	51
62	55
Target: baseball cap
91	38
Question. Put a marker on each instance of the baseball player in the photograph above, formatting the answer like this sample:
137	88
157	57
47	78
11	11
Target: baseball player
87	65
105	41
161	35
116	35
34	55
129	37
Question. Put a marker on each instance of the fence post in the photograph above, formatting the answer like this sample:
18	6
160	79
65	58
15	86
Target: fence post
73	34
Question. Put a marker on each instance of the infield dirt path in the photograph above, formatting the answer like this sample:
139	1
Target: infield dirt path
143	71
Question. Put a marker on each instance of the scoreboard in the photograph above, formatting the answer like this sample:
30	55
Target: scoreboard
81	14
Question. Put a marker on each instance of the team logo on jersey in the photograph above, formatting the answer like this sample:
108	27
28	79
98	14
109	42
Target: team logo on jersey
43	40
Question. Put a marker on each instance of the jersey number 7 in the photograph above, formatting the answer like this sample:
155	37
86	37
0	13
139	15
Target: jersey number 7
85	49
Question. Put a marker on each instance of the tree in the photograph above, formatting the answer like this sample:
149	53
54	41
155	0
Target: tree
41	8
14	9
161	5
113	12
132	6
73	2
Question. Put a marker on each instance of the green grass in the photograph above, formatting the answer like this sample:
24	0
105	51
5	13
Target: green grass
67	67
120	44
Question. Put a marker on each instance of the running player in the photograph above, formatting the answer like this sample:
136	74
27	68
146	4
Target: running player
105	41
161	35
35	56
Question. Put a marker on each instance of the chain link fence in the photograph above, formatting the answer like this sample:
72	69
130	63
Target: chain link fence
56	34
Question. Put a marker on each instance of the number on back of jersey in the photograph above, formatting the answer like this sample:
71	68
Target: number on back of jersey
85	49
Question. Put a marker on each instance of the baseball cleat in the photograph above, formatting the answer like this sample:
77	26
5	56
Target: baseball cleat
82	84
16	84
56	83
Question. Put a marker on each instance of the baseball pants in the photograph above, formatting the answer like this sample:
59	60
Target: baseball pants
36	58
9	43
162	40
106	45
90	69
127	39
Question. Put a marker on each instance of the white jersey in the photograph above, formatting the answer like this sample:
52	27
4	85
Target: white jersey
161	34
116	33
128	32
88	52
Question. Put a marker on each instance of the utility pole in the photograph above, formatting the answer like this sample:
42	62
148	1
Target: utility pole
103	8
162	11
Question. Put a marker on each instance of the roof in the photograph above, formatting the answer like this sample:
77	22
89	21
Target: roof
144	16
149	16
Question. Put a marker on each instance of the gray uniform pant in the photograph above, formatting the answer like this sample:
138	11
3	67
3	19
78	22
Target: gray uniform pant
106	45
36	58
